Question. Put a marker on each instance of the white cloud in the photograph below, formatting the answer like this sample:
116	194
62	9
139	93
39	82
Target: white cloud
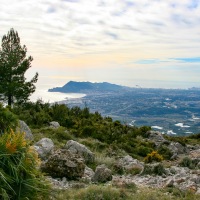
156	29
84	22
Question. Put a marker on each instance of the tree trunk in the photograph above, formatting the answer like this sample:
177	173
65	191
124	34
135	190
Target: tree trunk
9	100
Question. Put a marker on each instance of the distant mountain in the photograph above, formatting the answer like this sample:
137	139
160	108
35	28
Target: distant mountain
88	87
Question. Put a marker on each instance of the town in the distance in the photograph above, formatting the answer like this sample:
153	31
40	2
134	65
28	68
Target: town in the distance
170	111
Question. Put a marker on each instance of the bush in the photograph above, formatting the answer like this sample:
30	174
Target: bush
165	152
157	169
7	120
143	151
19	175
153	156
134	170
188	162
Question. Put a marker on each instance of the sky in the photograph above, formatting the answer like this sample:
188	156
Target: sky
138	43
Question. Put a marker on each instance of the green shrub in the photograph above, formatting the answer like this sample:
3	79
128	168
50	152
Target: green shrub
19	175
143	150
94	144
165	152
188	162
88	131
7	120
182	140
134	170
157	169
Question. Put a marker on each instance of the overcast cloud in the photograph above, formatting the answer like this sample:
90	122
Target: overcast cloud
131	39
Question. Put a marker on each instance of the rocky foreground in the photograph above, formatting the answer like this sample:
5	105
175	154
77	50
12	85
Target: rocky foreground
67	167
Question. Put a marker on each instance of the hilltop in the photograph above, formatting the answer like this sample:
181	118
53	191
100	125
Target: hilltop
88	87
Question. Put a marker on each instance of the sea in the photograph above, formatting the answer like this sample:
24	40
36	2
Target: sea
52	97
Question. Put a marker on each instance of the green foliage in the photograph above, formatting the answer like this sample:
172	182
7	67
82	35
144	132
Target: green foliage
157	169
35	114
143	150
188	162
19	174
134	170
99	193
194	136
165	152
94	144
7	120
60	135
81	123
122	190
182	140
13	65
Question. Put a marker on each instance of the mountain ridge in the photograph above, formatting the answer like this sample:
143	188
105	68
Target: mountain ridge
78	87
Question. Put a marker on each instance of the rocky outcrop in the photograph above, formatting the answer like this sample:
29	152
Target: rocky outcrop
88	174
62	163
54	124
128	164
80	149
23	128
176	148
44	148
102	174
156	137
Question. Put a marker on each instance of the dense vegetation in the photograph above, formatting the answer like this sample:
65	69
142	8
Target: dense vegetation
83	124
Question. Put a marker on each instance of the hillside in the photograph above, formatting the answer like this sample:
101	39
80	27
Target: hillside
88	156
87	87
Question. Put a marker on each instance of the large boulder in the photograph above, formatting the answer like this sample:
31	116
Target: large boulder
128	163
54	124
156	137
80	149
23	128
176	148
102	174
44	148
63	163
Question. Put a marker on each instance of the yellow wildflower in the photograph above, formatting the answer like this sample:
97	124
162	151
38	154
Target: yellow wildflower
11	148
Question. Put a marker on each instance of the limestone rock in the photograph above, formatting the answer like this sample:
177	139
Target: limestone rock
102	174
88	173
23	128
80	149
156	137
63	163
128	163
54	124
44	147
169	183
177	148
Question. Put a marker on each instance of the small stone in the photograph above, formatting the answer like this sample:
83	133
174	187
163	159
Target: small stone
169	183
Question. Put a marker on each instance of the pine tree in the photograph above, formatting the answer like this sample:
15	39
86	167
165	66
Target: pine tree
13	65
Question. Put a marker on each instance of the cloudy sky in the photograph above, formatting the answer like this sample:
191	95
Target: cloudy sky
151	43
